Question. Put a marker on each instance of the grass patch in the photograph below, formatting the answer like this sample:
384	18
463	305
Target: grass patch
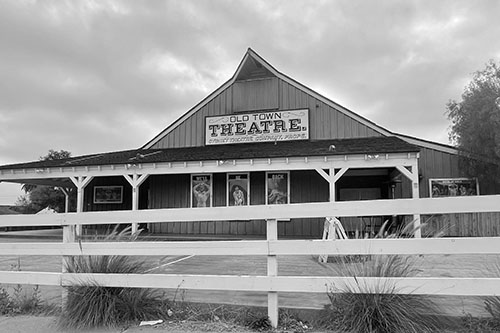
380	307
492	304
95	306
24	302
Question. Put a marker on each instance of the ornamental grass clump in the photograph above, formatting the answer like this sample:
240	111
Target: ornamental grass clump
492	303
91	305
379	305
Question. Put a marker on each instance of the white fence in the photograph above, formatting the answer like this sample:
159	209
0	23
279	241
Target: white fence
272	247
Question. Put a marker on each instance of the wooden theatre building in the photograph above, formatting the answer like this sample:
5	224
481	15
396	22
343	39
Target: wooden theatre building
261	138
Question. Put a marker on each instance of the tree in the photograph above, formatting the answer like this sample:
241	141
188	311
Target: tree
52	155
475	125
39	197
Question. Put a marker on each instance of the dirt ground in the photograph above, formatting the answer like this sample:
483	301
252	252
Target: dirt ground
48	324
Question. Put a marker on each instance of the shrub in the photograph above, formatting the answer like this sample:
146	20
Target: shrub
93	305
492	304
379	307
26	303
22	302
5	302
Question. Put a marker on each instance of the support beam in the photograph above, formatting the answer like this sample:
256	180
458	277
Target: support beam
135	181
66	198
339	174
331	178
405	172
323	174
80	182
332	188
415	192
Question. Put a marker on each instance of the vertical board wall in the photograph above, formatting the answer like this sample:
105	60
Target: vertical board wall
325	121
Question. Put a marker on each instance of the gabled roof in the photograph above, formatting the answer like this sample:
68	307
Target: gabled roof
254	66
428	144
306	148
251	66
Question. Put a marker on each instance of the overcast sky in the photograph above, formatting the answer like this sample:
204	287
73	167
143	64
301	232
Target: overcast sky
99	76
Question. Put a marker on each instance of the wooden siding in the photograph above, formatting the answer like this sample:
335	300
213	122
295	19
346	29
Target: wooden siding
463	225
173	191
305	186
325	121
259	94
90	206
436	164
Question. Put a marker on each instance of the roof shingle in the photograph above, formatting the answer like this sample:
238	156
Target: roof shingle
370	145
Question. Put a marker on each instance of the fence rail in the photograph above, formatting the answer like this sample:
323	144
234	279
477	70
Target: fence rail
272	247
307	284
487	203
475	245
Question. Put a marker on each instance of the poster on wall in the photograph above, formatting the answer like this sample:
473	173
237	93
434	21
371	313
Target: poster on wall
108	194
277	188
453	187
238	189
201	191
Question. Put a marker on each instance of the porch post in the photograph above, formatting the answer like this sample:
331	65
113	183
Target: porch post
272	270
331	178
135	181
66	199
80	183
332	185
415	192
334	178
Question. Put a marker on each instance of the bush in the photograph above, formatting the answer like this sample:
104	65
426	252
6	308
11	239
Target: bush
5	302
93	305
22	302
379	307
492	304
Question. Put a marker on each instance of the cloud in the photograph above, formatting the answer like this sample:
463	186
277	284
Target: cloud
77	75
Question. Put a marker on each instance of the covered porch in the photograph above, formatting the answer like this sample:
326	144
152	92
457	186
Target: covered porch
310	171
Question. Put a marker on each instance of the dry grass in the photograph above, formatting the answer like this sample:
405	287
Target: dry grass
90	305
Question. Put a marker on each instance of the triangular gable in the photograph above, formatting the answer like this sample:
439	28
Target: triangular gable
253	66
250	69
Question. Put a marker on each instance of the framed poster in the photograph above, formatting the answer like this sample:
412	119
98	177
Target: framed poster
201	190
108	194
453	187
238	193
277	188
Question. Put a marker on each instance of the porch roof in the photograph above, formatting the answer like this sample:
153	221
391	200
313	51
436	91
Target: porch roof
307	148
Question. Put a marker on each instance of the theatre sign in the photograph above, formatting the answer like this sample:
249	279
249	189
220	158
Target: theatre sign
257	127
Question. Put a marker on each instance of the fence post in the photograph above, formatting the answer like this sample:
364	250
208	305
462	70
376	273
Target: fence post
272	270
69	236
